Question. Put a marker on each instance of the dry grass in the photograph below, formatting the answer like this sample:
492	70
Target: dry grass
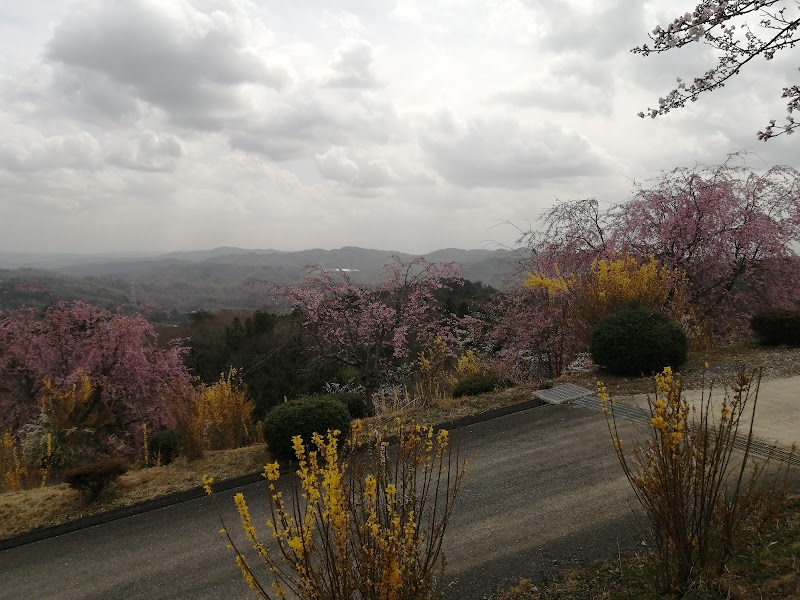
32	509
44	507
723	366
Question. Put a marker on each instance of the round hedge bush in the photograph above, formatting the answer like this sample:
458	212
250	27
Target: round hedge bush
356	404
777	327
636	340
303	416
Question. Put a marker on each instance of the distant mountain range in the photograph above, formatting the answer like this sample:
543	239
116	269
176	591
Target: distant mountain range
210	279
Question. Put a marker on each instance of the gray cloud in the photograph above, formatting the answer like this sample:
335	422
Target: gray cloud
150	152
194	123
40	153
306	123
366	169
352	66
92	96
571	85
188	63
610	27
501	152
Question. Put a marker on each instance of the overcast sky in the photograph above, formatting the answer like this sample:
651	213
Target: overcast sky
394	124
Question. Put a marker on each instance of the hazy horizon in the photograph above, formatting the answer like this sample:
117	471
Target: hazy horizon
146	253
400	124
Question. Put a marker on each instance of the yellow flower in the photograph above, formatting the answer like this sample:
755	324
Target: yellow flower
299	448
207	481
356	427
272	471
659	423
296	545
246	574
370	488
244	516
391	492
442	438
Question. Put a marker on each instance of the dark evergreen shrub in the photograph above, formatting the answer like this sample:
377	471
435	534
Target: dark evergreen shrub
303	416
636	340
480	383
92	478
356	404
777	327
163	446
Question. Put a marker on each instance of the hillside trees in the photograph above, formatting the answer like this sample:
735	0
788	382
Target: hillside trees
131	377
368	329
272	353
740	30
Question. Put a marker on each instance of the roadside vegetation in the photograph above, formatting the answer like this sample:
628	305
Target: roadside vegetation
765	567
99	409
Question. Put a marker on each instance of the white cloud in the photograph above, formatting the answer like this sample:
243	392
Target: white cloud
352	67
30	152
150	152
198	123
506	153
371	168
571	85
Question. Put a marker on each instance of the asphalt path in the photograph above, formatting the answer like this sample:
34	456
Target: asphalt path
543	491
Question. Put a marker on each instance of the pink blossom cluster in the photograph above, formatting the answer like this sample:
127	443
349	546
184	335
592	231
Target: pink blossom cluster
369	328
132	375
711	22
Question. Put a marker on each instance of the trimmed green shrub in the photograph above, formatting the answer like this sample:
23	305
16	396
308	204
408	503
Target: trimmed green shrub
480	383
356	404
303	416
92	478
163	446
777	327
636	340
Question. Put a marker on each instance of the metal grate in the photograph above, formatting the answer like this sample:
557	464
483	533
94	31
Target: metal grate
758	447
564	392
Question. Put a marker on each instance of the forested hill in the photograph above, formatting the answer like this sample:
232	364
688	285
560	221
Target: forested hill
180	282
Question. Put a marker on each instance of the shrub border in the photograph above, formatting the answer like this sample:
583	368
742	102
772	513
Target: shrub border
44	533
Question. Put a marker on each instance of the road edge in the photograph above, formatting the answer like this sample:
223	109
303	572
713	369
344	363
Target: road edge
44	533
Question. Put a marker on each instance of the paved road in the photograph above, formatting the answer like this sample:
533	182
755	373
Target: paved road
543	490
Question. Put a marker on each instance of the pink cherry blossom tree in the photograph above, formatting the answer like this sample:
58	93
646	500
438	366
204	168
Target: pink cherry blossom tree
369	329
733	232
740	31
529	337
132	376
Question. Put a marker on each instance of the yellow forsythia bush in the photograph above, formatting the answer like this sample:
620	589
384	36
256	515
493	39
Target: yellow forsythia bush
702	501
363	525
221	414
612	283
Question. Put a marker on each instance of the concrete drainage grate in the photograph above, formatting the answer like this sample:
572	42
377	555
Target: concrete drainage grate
563	392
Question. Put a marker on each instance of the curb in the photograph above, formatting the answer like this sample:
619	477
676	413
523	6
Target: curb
38	535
